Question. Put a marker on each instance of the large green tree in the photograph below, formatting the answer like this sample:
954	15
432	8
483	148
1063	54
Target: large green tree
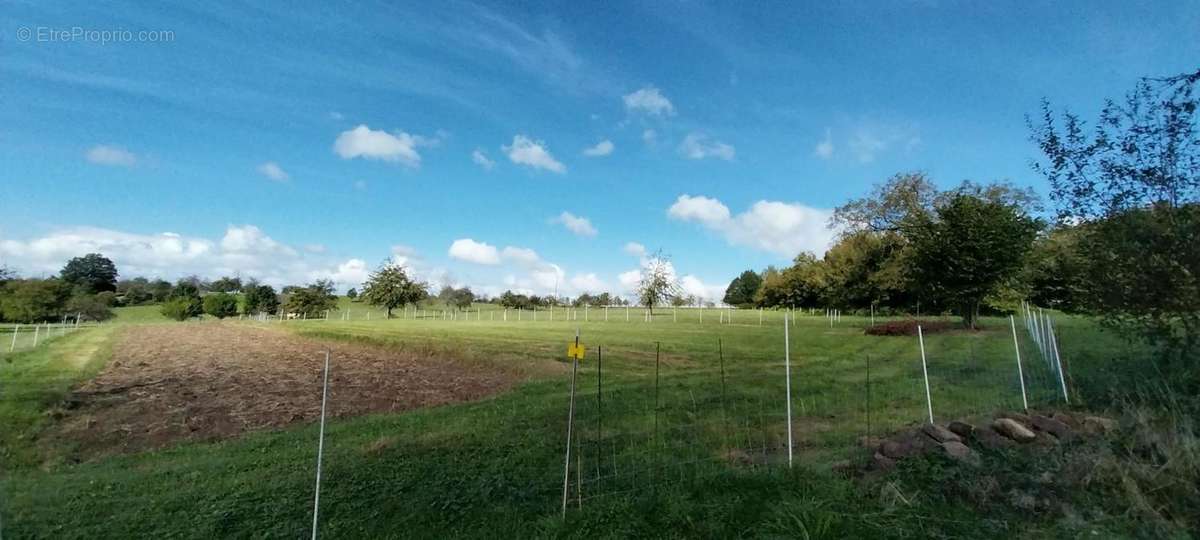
311	301
259	298
742	289
220	305
34	300
91	273
390	287
1131	184
968	250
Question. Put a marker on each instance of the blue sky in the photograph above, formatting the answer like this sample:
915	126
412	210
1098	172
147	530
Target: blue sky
290	143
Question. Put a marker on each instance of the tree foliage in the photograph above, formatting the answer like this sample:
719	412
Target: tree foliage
220	305
657	284
34	300
390	287
226	285
89	307
969	250
312	300
259	298
1131	186
184	302
91	273
742	290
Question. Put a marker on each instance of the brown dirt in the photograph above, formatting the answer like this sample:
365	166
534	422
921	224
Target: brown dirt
173	383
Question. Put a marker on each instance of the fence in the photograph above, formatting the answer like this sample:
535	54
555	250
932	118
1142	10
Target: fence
20	337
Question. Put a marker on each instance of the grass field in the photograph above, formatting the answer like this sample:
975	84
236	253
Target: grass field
697	451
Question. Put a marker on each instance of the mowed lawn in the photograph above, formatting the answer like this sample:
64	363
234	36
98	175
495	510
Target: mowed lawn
692	444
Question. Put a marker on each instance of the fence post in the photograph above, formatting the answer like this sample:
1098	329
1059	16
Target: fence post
925	370
787	366
1020	373
320	447
570	426
1058	361
36	329
14	339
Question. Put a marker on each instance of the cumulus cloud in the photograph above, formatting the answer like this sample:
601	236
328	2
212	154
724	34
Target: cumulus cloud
602	148
579	225
700	146
782	228
113	156
649	100
243	250
364	142
466	249
629	280
273	171
824	149
526	151
523	256
482	160
635	249
589	283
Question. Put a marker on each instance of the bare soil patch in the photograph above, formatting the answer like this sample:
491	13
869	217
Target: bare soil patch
173	383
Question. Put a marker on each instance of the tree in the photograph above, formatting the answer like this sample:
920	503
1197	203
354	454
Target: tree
742	289
352	294
133	292
226	285
390	287
657	284
1132	186
970	248
89	307
221	305
160	290
34	300
799	285
311	301
184	302
91	273
259	299
462	298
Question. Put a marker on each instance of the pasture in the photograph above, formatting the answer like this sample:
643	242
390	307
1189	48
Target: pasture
443	427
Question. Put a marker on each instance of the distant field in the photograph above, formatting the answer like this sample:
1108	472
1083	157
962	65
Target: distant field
702	452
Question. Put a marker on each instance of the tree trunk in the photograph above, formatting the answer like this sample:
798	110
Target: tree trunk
389	312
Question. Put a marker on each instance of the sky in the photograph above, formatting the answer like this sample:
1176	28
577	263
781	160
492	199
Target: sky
530	146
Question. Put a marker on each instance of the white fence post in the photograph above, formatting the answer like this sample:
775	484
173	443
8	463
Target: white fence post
925	370
320	448
1058	361
787	367
14	339
1020	373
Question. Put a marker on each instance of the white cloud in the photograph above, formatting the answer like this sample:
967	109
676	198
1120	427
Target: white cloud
698	208
351	272
782	228
482	160
364	142
466	249
115	156
273	171
693	286
824	149
526	151
700	146
523	256
602	148
588	283
629	280
579	225
314	248
635	249
650	101
243	250
649	136
870	138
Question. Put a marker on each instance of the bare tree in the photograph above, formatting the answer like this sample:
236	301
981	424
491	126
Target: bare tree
658	285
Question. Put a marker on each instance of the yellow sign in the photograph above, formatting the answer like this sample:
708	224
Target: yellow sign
575	351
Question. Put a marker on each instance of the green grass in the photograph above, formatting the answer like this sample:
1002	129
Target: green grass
139	314
494	468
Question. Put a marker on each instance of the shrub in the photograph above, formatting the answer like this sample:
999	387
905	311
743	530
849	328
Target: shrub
92	307
220	305
181	309
907	328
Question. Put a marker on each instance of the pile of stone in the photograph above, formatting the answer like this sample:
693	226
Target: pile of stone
1010	430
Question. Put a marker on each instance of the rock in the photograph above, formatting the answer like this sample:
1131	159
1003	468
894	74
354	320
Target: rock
992	440
895	449
960	452
1058	429
1023	419
1014	430
1097	425
881	462
962	429
910	443
1066	419
939	433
